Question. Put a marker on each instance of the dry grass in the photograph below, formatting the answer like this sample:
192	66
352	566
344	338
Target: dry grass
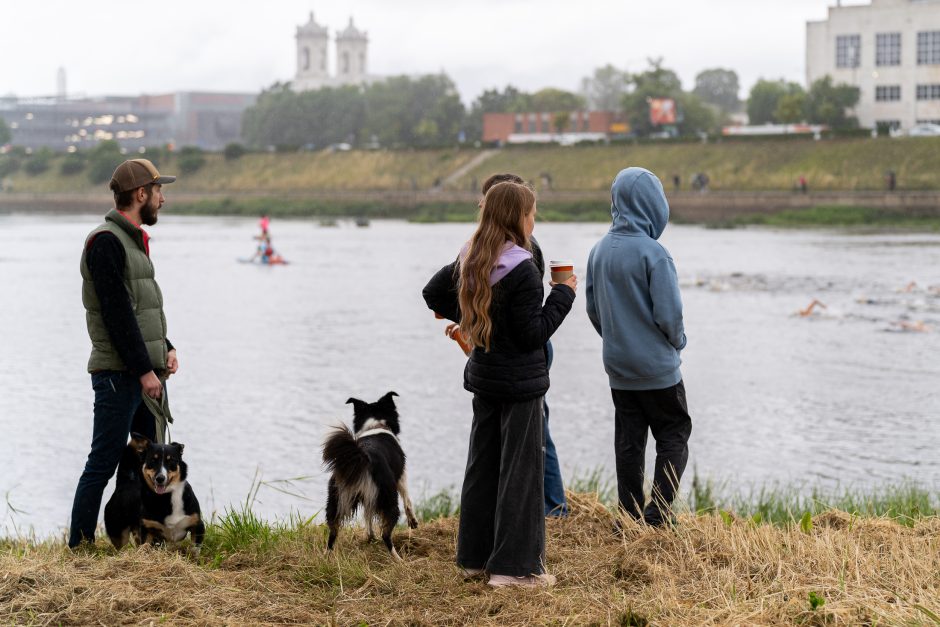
707	571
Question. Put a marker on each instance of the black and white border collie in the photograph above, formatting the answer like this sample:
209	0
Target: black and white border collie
152	499
368	466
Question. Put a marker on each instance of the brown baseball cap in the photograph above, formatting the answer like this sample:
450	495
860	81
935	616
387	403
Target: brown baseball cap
135	173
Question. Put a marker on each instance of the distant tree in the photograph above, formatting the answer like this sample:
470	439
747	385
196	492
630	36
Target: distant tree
399	111
604	90
38	162
5	134
718	87
765	97
191	159
560	121
695	116
233	151
284	118
73	163
403	111
9	164
509	99
102	159
552	100
828	104
791	108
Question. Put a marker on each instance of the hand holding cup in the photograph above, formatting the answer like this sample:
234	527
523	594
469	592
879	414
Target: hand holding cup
562	272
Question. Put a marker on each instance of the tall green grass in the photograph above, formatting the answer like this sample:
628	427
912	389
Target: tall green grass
842	216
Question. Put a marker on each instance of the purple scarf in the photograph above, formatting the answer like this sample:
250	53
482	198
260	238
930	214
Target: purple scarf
509	259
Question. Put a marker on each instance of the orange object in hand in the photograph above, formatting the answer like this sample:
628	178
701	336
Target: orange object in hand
453	332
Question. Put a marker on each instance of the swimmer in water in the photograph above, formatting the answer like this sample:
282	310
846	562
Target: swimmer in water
808	310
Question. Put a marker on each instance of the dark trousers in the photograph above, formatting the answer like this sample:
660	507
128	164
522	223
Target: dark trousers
666	414
118	412
502	513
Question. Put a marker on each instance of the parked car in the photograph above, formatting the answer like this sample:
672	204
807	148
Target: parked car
924	130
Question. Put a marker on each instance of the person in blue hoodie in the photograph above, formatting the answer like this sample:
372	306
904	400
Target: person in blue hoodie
633	301
494	291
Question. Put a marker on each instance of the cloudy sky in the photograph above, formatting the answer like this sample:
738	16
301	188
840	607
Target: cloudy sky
122	47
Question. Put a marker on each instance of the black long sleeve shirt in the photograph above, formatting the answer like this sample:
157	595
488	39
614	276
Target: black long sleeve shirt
106	259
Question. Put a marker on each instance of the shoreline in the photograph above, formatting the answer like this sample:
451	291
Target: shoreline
907	210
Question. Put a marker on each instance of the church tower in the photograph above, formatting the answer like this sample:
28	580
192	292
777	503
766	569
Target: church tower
312	70
351	55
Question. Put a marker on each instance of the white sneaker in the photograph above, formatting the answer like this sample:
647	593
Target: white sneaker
529	581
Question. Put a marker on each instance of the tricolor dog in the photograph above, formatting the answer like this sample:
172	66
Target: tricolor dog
368	466
165	508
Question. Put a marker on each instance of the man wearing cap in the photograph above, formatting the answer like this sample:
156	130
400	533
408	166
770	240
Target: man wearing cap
127	327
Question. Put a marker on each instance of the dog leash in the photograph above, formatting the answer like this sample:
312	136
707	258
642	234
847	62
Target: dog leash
160	410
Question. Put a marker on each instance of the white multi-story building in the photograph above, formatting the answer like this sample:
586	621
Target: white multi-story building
352	48
890	50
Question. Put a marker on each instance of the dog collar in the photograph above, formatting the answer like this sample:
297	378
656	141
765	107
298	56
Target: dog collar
376	431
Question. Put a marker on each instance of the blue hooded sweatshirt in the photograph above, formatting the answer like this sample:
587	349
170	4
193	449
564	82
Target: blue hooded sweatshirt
632	288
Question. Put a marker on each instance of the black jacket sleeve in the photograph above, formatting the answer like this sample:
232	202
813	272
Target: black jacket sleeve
440	293
532	322
106	259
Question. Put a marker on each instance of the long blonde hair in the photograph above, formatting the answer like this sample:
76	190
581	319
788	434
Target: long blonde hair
502	219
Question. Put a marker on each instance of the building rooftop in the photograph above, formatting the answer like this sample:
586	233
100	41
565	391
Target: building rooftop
351	32
312	28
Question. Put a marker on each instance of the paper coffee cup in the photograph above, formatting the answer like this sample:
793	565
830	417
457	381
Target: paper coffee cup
561	270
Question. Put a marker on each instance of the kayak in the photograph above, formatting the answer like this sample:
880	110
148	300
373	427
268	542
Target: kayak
276	260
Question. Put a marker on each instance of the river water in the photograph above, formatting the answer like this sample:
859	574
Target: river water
849	396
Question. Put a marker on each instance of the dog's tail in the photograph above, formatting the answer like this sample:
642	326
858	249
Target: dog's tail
342	456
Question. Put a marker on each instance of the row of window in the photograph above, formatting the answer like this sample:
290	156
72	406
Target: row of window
891	93
887	49
547	126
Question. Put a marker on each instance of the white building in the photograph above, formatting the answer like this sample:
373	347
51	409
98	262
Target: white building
352	57
890	50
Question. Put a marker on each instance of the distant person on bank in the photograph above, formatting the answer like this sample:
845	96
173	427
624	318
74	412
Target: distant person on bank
124	314
633	301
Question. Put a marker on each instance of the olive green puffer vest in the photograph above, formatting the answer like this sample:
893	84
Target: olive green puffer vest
146	299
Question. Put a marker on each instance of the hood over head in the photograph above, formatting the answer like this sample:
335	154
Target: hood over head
638	203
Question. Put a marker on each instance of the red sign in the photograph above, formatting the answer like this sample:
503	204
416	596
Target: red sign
662	111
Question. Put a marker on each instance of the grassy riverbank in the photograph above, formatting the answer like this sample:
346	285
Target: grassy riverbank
838	164
829	216
814	568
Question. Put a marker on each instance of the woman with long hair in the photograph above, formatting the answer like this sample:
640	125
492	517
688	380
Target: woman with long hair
495	292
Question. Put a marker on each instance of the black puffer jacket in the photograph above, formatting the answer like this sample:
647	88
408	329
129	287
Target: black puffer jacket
514	369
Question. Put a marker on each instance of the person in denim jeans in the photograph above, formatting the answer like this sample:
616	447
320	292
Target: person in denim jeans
131	355
555	503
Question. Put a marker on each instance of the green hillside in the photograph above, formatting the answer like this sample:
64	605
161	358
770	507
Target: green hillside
858	164
848	164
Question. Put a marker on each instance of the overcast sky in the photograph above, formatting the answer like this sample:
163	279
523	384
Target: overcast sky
124	47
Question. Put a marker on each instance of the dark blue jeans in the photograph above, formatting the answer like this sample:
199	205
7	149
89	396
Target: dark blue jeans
555	503
118	412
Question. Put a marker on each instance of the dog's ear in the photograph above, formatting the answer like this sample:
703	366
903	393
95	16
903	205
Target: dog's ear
357	404
387	401
179	448
139	442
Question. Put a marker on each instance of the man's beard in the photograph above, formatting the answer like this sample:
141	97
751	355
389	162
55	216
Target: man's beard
148	213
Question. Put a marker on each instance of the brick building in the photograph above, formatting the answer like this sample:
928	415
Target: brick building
542	127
